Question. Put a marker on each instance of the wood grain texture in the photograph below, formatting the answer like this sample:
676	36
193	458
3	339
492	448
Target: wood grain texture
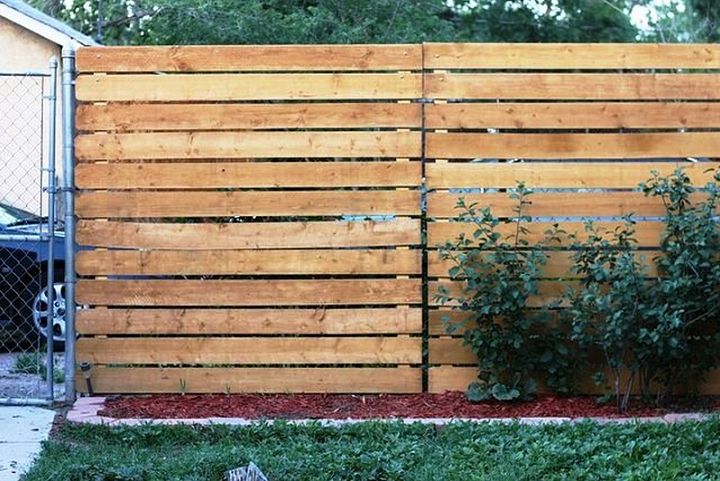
225	87
306	292
449	351
249	58
618	175
251	235
548	291
570	56
149	116
572	146
647	233
200	321
224	204
247	262
450	378
442	204
262	380
559	264
234	145
573	115
457	378
247	175
517	86
250	350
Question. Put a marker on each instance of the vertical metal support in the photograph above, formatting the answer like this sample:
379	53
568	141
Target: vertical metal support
68	118
423	233
52	189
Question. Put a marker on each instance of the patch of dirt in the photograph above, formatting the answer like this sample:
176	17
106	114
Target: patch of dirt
25	386
332	406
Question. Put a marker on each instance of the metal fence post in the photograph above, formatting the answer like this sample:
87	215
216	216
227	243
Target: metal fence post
68	119
52	187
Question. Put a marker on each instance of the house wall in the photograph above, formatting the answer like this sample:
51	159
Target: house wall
24	117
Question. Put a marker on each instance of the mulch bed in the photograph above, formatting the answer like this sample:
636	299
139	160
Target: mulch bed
333	406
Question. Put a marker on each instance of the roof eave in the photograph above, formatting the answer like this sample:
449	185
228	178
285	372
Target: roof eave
42	29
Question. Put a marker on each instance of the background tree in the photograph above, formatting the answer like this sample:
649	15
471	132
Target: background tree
346	21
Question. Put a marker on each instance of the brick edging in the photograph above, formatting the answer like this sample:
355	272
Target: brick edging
85	411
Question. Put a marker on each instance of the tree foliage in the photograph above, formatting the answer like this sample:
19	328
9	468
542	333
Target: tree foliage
345	21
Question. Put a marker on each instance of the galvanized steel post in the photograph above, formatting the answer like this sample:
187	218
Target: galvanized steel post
68	118
52	189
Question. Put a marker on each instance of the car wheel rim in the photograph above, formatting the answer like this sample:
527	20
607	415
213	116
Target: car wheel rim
53	316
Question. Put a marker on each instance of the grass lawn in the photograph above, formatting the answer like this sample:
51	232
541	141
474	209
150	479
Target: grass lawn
375	451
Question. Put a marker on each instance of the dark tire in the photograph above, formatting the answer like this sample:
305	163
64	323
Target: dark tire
38	307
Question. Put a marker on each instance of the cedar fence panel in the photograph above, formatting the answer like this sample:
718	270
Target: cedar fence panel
256	218
260	214
580	124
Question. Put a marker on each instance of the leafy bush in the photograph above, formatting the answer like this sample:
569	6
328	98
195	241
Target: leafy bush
499	274
654	333
687	321
610	310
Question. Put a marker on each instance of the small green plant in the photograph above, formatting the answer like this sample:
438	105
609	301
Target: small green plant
687	310
499	274
655	333
610	309
34	363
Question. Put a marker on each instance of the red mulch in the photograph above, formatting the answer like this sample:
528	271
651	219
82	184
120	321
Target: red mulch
333	406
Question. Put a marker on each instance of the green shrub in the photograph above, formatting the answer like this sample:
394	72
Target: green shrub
610	311
499	274
687	309
654	333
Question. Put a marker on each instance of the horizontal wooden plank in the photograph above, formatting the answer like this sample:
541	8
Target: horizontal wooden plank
247	174
559	263
442	204
250	350
224	87
647	233
251	235
457	378
249	321
262	380
548	291
573	115
449	378
227	58
618	175
224	204
306	292
450	351
233	145
570	56
247	262
572	146
438	319
129	117
543	86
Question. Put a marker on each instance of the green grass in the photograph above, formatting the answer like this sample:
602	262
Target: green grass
375	451
34	363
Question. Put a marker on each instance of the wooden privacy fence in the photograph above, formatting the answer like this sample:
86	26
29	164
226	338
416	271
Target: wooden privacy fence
265	218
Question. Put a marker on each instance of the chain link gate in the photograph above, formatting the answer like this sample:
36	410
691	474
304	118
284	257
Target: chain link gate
31	241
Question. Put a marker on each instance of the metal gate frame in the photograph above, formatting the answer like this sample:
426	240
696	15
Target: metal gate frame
48	166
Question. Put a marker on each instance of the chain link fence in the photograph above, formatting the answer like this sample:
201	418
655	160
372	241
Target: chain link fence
28	309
